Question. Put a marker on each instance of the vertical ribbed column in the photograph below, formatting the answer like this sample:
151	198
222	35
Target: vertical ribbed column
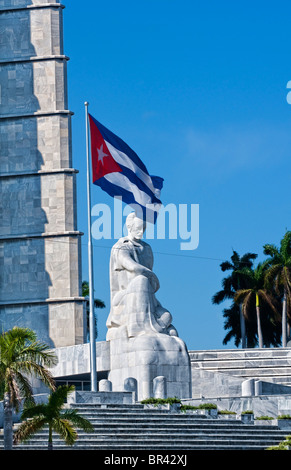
40	256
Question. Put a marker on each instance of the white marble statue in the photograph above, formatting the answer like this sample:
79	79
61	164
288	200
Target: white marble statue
134	308
144	345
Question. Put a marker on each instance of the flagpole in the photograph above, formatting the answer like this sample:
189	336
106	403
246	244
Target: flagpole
90	266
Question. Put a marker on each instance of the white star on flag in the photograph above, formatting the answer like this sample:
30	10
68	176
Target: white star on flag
101	154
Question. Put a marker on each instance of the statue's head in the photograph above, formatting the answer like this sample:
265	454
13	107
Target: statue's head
135	226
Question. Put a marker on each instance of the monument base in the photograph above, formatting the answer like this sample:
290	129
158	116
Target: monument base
150	365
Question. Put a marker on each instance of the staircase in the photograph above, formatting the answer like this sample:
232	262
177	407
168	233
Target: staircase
267	364
131	427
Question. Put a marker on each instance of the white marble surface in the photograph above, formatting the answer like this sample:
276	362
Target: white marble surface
40	256
144	344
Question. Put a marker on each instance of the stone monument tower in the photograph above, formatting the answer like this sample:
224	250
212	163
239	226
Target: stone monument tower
40	269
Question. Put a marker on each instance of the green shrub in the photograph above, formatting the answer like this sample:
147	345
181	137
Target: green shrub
160	401
226	412
202	406
284	417
264	418
188	407
207	406
247	412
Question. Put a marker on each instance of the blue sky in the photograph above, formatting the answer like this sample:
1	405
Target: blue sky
198	90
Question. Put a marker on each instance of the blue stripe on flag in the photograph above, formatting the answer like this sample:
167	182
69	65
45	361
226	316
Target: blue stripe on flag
139	183
157	182
148	214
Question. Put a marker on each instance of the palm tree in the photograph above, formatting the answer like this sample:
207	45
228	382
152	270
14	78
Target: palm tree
97	303
234	282
62	421
21	356
279	275
232	325
254	294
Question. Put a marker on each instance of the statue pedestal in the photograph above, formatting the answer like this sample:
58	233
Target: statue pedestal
147	357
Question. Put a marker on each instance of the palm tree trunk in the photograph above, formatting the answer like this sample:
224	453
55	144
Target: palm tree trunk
259	327
242	327
284	320
50	439
8	422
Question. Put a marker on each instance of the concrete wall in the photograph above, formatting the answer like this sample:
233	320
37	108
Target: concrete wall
75	360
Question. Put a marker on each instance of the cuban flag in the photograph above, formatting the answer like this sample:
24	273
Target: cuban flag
119	171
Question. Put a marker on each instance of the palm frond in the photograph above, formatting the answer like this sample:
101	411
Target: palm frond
235	258
247	304
285	247
38	370
271	250
240	295
34	411
78	420
25	388
247	259
247	276
99	303
65	429
18	335
85	293
219	297
270	301
231	322
12	387
27	428
58	398
38	352
272	278
226	266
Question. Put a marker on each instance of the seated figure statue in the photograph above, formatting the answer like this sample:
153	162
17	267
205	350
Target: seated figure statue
144	343
134	308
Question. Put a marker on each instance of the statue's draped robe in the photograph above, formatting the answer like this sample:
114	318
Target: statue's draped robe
134	308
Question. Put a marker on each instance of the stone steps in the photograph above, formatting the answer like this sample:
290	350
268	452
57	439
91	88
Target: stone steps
270	364
131	427
153	435
153	447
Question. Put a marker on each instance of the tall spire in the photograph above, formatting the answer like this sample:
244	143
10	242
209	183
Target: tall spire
40	264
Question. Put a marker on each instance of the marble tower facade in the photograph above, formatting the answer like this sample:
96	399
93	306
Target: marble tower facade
40	249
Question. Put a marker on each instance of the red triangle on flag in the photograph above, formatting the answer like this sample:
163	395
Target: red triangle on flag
102	160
